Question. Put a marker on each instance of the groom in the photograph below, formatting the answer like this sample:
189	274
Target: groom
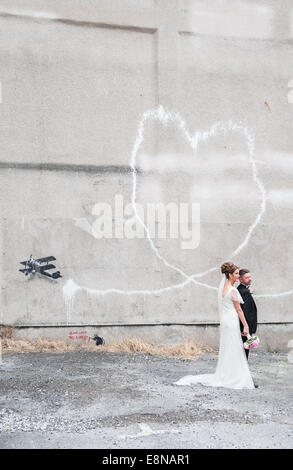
249	307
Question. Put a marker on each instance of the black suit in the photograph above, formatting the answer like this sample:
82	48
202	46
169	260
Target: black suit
249	310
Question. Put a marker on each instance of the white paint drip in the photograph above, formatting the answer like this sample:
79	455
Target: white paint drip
69	291
146	430
164	117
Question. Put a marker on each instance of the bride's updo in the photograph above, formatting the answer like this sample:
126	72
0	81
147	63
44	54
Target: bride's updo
228	268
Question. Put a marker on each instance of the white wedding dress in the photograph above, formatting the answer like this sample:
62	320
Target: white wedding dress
232	369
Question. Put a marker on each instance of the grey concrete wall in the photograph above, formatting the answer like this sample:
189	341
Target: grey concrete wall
78	79
273	337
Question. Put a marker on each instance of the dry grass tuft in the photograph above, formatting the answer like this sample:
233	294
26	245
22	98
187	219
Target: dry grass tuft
185	349
41	345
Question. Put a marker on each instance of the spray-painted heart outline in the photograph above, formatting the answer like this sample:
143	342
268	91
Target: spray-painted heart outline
165	116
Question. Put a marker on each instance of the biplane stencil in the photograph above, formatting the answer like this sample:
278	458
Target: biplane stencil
32	266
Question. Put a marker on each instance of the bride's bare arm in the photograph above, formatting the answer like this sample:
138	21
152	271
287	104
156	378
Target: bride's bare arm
242	317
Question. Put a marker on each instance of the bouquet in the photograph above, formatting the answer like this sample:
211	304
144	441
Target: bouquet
252	342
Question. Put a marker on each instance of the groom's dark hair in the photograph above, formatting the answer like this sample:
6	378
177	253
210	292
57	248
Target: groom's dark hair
243	271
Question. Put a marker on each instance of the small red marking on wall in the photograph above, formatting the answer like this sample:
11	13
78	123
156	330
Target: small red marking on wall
79	335
267	105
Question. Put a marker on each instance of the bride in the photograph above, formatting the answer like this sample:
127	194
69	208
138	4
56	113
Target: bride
232	369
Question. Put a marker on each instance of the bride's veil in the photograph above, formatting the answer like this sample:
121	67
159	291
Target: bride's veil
220	294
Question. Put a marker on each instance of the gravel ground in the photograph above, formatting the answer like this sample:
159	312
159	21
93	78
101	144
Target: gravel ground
95	400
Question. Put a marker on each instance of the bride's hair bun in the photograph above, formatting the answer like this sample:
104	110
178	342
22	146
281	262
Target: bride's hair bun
228	268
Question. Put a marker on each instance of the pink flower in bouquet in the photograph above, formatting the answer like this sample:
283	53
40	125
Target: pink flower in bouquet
252	342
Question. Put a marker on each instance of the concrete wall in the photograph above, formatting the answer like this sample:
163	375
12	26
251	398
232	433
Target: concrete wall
89	87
